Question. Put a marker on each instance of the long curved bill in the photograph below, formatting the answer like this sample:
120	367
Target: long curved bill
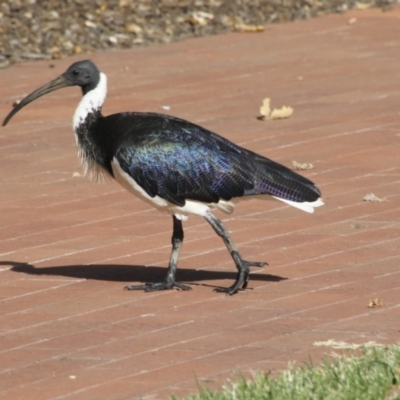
55	84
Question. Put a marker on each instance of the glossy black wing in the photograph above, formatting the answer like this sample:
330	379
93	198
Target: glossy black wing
177	171
178	160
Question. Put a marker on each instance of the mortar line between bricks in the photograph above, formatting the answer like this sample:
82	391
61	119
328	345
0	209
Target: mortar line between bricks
367	121
284	265
334	253
125	216
131	301
87	388
332	209
367	313
286	297
63	396
286	145
340	269
316	173
89	347
58	356
173	344
55	229
41	246
387	274
335	156
328	207
219	248
68	283
86	197
335	135
336	182
270	319
300	245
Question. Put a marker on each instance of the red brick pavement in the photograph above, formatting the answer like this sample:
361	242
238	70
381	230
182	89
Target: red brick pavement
68	245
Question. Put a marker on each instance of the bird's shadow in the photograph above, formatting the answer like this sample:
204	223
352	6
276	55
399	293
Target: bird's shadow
132	273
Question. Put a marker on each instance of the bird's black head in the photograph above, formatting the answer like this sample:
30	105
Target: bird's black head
82	73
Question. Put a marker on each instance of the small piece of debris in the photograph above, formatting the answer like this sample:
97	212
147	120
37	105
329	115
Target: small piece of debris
358	226
344	345
72	377
249	28
16	102
201	18
265	109
302	166
90	24
276	113
134	28
77	49
373	199
352	21
77	175
281	113
394	392
375	303
363	6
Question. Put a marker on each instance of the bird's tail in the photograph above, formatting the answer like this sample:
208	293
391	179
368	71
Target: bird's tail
283	184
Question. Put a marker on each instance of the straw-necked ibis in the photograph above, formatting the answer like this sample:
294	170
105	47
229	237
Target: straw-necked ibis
174	165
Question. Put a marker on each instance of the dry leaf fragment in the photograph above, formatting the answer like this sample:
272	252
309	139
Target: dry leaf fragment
281	113
201	18
265	109
134	28
363	6
77	49
249	28
373	199
55	53
374	303
90	24
276	113
302	166
358	226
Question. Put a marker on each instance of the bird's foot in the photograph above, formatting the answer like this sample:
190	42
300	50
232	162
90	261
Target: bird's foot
242	278
154	287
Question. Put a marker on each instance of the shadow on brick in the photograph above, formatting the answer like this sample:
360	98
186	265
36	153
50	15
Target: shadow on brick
132	273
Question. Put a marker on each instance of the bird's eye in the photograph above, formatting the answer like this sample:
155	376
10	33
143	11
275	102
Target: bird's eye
75	72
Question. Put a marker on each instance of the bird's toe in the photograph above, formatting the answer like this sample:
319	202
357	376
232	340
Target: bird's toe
154	287
255	264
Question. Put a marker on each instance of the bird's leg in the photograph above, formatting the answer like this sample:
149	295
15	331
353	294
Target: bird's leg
242	278
169	282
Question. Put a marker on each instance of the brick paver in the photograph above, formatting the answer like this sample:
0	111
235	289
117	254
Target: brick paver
68	245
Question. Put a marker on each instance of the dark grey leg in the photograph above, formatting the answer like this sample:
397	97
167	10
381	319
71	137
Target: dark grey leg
169	282
242	277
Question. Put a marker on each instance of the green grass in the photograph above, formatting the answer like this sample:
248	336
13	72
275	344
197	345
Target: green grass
374	375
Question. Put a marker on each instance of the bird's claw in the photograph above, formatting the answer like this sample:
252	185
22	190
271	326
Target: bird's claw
154	287
242	278
254	264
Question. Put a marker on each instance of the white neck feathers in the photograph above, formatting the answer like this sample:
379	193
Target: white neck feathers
91	101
